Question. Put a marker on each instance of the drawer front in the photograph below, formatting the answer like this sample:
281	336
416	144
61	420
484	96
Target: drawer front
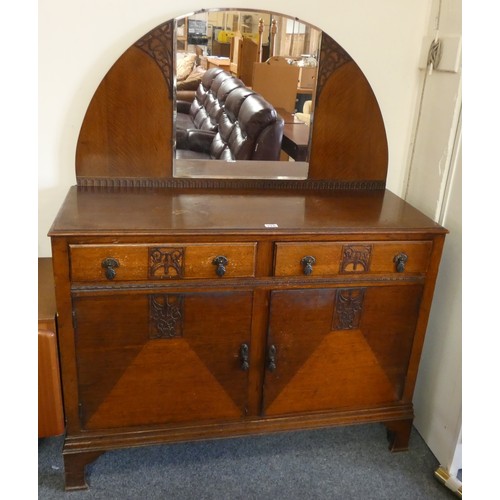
351	258
162	261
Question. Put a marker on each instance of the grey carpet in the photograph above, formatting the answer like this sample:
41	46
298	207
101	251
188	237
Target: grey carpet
338	463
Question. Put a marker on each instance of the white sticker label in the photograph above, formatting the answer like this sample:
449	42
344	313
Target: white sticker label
271	225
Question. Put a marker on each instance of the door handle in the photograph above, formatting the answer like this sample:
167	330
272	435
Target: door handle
271	358
244	357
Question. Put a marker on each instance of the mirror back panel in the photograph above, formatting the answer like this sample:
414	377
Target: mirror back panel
127	129
127	137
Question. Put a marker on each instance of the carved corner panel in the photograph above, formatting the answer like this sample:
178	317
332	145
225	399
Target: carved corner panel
332	57
158	44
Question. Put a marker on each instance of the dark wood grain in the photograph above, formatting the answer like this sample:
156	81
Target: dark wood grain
348	136
127	130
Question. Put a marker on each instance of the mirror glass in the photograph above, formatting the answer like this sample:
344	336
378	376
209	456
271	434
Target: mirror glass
245	85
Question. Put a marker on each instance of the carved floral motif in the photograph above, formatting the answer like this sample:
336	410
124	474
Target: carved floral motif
166	262
348	308
165	316
355	259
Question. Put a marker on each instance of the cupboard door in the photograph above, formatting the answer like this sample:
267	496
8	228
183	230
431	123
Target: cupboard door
338	348
161	358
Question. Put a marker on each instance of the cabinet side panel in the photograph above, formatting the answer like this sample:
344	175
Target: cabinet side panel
423	319
65	334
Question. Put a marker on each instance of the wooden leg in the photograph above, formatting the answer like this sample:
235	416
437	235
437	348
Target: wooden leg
398	434
74	468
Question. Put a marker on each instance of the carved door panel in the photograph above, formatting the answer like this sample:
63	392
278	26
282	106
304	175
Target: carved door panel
151	358
338	348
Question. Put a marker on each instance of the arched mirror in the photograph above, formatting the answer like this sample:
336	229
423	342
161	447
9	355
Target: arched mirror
282	103
235	57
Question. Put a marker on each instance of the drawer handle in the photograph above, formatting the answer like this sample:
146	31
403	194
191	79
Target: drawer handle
271	358
221	262
307	263
245	365
109	266
400	260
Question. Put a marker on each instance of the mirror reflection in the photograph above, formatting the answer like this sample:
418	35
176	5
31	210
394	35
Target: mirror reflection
245	89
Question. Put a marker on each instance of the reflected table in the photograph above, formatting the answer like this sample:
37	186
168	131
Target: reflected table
295	141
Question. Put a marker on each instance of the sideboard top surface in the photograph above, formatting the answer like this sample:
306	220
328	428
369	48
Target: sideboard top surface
107	211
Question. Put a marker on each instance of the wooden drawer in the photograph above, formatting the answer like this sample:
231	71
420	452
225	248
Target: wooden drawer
349	258
162	261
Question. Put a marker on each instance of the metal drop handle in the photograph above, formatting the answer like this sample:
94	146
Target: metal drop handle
221	262
307	264
110	264
400	260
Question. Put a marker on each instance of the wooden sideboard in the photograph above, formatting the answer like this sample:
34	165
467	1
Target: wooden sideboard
202	308
190	314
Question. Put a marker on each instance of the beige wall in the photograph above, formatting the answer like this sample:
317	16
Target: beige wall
79	41
435	187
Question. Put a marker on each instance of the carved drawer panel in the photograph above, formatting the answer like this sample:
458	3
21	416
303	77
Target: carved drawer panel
351	258
163	261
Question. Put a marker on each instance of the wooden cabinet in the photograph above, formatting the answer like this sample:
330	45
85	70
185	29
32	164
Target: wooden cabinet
181	324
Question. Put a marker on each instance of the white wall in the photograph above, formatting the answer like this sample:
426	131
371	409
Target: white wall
80	39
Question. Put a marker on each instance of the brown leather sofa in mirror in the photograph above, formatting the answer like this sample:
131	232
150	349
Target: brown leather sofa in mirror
227	121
